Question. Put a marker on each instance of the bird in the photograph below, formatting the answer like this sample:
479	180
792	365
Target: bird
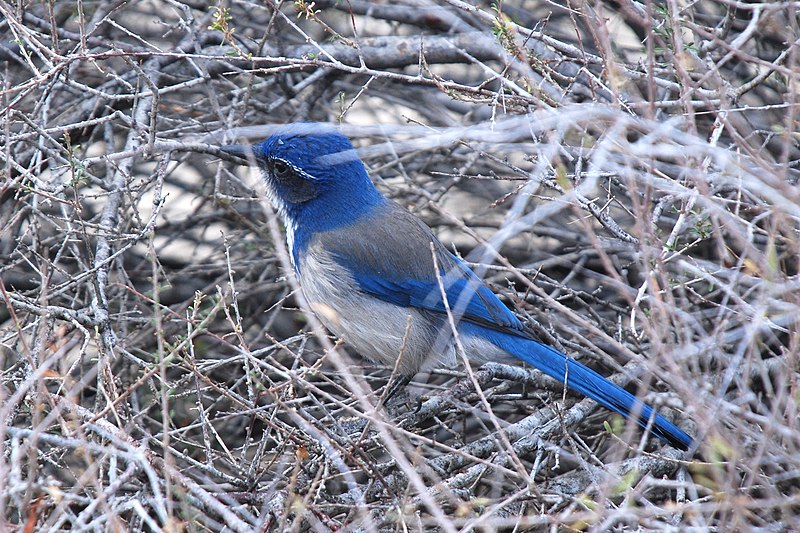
376	275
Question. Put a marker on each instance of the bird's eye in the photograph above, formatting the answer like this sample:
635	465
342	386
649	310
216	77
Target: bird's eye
281	169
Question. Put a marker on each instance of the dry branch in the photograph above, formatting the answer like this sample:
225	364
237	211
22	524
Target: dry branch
624	174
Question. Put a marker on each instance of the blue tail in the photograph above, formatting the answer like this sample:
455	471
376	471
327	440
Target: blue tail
587	382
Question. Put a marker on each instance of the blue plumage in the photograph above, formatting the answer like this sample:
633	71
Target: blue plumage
367	269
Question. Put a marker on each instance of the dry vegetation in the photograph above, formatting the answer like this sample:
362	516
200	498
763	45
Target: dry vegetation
635	165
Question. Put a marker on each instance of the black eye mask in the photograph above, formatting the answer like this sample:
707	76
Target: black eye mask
296	188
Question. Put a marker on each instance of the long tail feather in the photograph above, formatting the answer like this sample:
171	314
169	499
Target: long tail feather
589	383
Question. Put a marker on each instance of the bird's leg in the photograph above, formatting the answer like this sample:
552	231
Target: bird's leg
395	385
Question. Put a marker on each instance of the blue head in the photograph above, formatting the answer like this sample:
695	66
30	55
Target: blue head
313	178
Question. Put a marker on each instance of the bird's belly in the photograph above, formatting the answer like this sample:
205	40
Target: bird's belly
377	330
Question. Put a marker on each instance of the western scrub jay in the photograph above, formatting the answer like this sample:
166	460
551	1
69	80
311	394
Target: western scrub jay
377	276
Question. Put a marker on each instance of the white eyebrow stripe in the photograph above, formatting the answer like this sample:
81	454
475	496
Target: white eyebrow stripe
294	167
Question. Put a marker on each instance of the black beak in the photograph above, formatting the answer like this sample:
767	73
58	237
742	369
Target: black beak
239	151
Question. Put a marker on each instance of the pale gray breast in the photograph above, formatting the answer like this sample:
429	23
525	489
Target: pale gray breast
375	329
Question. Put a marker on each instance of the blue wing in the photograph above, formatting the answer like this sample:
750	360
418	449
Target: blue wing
407	276
468	298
